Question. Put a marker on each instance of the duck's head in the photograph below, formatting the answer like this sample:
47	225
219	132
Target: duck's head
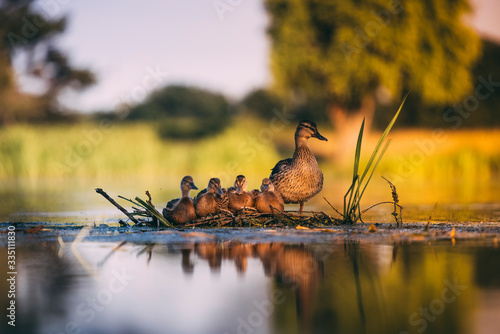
240	184
308	129
214	186
266	185
187	184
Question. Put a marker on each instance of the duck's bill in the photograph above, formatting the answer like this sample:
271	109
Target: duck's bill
220	192
193	186
319	136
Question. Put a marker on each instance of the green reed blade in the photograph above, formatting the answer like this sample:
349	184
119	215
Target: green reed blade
129	200
358	186
154	212
358	151
355	175
382	139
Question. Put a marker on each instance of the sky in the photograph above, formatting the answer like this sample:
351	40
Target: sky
135	47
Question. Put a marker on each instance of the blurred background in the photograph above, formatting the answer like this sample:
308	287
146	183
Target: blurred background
131	96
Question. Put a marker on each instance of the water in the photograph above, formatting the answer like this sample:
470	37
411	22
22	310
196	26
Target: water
107	279
254	281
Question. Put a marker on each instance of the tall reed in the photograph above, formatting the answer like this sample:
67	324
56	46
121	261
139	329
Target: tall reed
352	211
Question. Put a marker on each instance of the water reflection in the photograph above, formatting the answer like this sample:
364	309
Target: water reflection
347	286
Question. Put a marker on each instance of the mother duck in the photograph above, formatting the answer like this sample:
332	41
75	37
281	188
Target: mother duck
299	178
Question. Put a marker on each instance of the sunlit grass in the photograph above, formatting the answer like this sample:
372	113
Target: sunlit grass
134	150
82	151
461	168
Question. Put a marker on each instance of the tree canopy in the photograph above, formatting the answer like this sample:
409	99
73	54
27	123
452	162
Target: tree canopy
28	31
346	50
184	112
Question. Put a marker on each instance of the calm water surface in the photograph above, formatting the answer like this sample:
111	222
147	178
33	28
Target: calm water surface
90	281
113	280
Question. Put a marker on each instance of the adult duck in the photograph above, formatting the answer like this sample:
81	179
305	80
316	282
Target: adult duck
299	178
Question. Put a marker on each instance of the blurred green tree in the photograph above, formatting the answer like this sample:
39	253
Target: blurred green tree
184	112
352	52
485	114
27	31
263	102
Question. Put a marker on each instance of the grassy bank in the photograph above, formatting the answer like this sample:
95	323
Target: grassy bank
126	150
249	147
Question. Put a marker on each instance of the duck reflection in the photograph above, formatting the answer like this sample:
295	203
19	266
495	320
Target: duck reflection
348	286
295	267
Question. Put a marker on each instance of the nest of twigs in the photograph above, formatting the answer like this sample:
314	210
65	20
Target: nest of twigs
247	218
250	218
145	213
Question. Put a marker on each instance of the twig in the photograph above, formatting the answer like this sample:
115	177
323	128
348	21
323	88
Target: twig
275	208
333	207
149	199
155	220
230	214
430	217
374	205
121	208
131	201
395	198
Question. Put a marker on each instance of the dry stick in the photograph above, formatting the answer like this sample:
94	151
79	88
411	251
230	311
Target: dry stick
155	220
149	199
333	207
203	220
112	201
227	212
328	217
272	207
430	217
374	205
395	198
290	216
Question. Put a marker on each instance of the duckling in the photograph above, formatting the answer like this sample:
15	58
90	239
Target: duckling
267	198
240	198
182	210
299	178
210	200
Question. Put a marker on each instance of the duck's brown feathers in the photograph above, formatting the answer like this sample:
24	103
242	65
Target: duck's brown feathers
266	199
240	201
182	212
299	178
210	200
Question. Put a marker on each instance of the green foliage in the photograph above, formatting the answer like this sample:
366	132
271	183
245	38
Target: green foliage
352	210
419	113
345	50
263	103
184	112
24	30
